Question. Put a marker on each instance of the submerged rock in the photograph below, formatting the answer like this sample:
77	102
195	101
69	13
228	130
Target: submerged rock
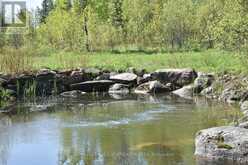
153	87
119	88
223	143
185	92
124	78
178	77
93	86
72	94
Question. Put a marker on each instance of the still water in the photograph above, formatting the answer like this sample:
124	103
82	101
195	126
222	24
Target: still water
109	130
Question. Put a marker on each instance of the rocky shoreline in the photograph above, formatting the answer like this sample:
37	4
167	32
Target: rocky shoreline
230	142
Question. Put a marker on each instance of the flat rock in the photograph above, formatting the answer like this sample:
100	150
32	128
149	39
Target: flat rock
93	86
227	142
178	77
185	92
124	78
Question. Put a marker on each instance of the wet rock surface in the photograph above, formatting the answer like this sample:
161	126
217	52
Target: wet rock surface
93	86
153	87
185	92
223	143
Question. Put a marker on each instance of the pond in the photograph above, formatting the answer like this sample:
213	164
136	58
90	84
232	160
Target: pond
111	130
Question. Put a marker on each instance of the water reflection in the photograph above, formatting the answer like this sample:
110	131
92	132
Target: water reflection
99	130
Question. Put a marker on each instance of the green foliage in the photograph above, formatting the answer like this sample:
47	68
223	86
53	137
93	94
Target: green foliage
46	7
170	25
4	95
62	30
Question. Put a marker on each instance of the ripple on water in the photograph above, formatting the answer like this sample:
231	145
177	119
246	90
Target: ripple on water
136	118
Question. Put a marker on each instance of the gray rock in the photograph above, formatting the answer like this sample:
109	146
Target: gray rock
231	95
209	93
93	86
146	78
119	88
104	76
244	106
72	94
124	78
45	75
178	77
223	143
244	125
91	72
152	87
203	81
185	92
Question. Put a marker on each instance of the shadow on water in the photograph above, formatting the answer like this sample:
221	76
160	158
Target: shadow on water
106	129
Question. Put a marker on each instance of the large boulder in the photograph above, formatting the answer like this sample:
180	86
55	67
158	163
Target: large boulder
124	78
185	92
203	81
179	77
93	86
153	87
223	143
119	88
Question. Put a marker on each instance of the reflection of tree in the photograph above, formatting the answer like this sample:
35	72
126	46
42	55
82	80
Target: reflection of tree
13	129
80	147
5	141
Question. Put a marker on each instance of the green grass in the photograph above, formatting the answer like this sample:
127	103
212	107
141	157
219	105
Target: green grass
207	61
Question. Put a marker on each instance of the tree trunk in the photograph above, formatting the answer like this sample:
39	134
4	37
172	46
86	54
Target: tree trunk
87	45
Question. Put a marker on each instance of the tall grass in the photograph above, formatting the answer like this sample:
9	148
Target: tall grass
15	60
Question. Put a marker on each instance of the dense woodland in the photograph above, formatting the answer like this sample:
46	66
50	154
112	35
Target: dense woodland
97	25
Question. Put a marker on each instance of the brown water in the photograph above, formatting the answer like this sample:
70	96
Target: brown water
97	130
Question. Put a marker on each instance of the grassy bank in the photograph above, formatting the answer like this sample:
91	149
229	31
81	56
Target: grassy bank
207	61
